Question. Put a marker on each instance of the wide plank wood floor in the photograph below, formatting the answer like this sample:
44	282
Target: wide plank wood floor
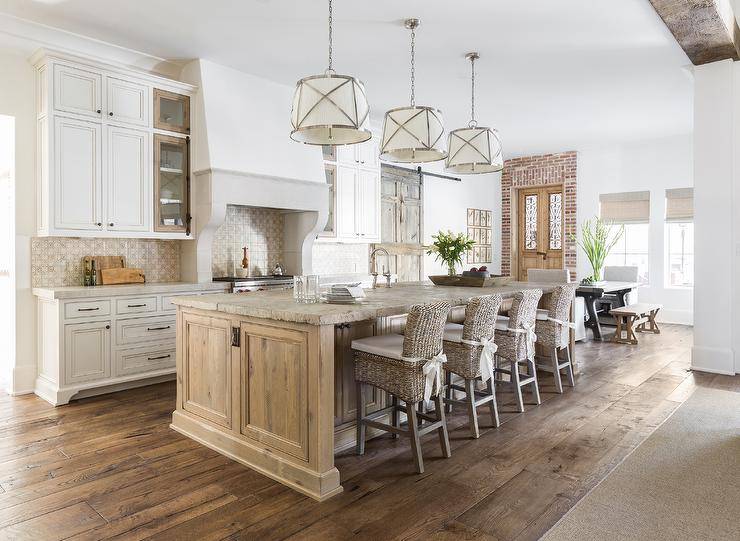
110	468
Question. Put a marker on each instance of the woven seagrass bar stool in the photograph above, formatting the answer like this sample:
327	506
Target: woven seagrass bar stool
409	367
470	353
515	338
553	332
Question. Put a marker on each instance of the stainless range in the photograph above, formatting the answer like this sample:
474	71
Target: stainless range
257	283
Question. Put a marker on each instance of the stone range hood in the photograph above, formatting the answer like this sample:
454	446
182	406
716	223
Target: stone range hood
305	202
242	155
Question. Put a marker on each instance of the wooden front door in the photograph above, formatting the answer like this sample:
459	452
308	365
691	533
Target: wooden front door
540	229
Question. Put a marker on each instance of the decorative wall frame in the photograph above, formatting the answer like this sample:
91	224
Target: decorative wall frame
480	223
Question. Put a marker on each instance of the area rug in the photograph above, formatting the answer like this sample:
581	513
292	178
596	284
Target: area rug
681	483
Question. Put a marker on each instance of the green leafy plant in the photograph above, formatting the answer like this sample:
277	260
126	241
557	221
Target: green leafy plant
449	247
597	240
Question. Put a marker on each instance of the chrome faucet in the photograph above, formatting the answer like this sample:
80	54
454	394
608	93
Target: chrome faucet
374	267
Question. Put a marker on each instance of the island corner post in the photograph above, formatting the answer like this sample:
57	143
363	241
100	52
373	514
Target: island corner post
270	384
260	392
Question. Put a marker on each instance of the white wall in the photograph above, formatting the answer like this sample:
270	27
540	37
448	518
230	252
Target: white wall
654	165
17	100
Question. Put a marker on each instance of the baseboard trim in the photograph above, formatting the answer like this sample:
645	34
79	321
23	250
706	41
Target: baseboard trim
23	380
713	360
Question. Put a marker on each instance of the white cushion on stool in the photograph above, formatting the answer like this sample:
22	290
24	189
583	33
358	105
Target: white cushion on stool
453	332
542	314
502	323
385	345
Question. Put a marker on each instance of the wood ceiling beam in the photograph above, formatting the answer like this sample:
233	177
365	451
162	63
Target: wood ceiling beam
705	29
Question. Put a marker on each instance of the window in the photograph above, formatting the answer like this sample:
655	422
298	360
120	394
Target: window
632	250
680	254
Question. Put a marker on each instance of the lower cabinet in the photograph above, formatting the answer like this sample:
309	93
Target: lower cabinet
87	351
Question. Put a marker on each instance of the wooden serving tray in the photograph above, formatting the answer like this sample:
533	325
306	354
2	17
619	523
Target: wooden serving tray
122	276
103	262
469	281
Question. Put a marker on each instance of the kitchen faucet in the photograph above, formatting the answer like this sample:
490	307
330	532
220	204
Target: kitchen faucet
374	267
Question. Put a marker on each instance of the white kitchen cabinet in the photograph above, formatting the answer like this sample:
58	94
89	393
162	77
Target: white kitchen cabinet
78	182
357	193
78	91
87	351
95	138
128	180
127	102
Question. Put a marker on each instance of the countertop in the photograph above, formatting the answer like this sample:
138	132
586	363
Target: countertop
83	292
279	304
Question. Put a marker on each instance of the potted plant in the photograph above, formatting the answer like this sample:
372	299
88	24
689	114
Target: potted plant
449	247
597	240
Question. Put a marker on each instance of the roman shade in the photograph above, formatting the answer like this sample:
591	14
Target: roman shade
679	205
625	207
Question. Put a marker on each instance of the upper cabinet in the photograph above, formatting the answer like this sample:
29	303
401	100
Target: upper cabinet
353	172
112	151
171	111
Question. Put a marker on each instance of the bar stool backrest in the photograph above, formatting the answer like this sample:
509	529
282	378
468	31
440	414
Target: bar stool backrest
425	327
523	310
480	317
558	307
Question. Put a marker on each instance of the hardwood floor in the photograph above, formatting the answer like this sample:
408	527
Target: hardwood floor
110	468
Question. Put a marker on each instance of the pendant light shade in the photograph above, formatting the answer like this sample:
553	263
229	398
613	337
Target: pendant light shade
413	134
330	109
474	149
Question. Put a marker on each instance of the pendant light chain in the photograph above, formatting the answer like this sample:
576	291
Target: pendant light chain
413	52
472	122
331	40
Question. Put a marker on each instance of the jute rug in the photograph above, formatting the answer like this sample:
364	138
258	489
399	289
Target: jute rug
682	483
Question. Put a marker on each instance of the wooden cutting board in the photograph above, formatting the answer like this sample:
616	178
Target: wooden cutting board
122	276
103	262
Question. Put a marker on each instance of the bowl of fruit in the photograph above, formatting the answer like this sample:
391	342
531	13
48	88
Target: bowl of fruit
477	272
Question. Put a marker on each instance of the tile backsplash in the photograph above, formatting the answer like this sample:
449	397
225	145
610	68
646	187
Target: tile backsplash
57	261
259	229
336	258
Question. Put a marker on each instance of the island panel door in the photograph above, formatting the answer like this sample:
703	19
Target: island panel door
275	388
540	229
206	368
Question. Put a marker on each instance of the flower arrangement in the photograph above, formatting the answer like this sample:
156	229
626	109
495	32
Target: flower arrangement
450	247
597	240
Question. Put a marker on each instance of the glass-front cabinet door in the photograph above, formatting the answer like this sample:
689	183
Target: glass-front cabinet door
171	111
172	184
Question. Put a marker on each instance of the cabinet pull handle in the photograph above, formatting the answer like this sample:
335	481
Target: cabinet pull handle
136	305
88	309
158	328
158	358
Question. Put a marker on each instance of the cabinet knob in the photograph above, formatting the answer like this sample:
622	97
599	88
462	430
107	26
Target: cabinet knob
99	224
107	326
110	224
98	111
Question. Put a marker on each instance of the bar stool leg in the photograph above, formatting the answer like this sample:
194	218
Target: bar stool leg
569	368
531	368
492	404
360	419
472	414
444	437
395	415
448	391
414	435
517	388
556	371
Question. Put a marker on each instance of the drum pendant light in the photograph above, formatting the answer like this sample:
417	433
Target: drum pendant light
330	109
413	134
474	149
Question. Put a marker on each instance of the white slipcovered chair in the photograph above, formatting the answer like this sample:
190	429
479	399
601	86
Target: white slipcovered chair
561	276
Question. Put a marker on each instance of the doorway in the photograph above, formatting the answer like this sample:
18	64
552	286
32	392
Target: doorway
539	229
7	249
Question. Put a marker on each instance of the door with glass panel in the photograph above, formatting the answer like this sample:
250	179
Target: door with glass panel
540	229
172	184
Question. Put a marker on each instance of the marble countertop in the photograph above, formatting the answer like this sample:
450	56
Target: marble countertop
82	292
279	304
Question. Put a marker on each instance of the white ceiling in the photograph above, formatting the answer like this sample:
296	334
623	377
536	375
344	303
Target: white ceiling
553	75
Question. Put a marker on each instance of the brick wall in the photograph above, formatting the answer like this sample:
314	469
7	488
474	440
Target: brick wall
541	170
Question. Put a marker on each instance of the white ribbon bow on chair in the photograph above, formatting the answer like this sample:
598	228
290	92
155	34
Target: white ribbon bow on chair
486	356
531	337
432	370
562	323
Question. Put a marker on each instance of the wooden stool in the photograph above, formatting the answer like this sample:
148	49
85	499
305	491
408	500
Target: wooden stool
408	367
638	317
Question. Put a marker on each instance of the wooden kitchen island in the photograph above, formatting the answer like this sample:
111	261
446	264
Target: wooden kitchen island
269	383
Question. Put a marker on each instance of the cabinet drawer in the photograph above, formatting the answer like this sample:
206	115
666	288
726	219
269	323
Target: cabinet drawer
145	359
136	306
145	329
78	309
